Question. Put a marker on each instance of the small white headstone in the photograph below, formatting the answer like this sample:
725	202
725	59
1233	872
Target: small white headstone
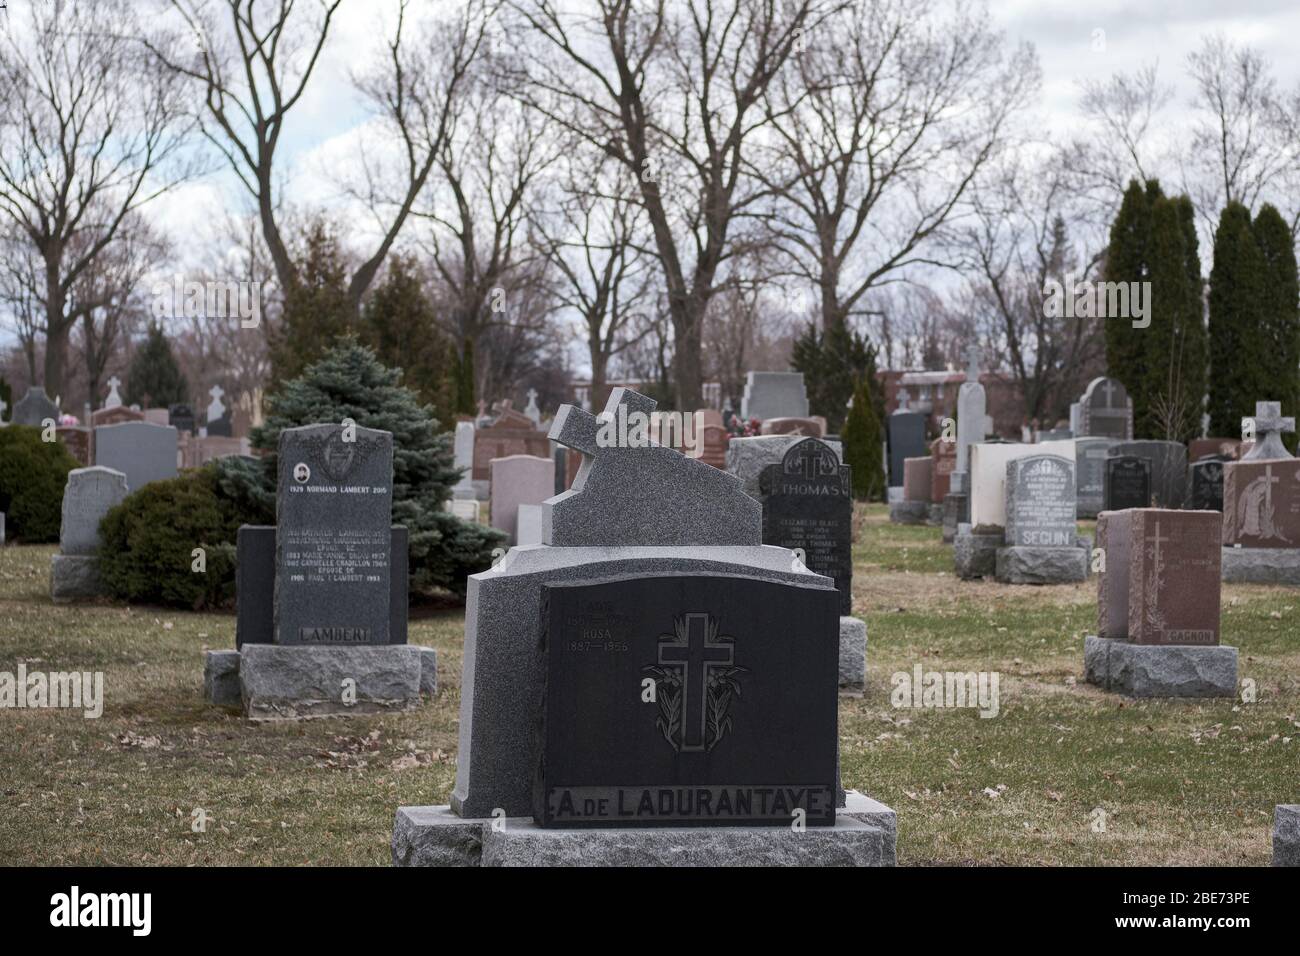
114	399
215	409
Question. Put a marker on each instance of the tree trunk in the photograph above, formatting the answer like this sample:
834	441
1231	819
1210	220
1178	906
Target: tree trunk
56	329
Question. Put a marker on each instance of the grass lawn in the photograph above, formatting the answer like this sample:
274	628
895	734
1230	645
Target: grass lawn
1180	782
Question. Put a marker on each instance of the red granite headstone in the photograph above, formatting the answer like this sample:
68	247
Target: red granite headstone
944	455
511	434
916	478
1174	576
1113	535
1261	503
808	427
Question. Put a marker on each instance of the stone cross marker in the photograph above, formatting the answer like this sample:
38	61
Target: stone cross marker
1041	501
113	399
631	491
333	542
1105	410
808	508
1269	425
531	410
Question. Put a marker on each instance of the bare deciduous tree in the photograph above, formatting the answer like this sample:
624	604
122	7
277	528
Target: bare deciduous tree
672	90
253	68
884	116
89	129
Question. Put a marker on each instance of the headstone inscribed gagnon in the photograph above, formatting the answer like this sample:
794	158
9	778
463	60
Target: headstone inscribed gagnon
1174	576
333	537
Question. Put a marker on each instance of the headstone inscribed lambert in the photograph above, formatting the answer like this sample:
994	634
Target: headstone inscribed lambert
1174	576
333	538
808	508
1106	411
1128	482
1040	502
742	730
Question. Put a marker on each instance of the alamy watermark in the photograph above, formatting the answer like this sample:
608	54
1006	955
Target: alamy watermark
946	689
212	298
1098	300
624	429
56	690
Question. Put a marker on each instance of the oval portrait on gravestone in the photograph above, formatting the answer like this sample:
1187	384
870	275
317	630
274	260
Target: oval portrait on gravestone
301	473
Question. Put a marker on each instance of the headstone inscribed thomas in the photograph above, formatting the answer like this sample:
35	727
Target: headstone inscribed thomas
808	508
333	539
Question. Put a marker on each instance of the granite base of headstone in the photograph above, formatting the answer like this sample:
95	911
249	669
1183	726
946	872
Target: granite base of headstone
955	512
1286	834
853	656
87	497
1159	607
975	555
699	605
865	834
909	512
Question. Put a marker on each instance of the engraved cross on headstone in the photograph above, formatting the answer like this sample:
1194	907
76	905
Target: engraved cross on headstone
696	655
808	461
1269	426
1156	541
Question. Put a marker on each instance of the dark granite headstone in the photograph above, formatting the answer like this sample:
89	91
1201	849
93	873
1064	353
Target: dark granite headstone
182	419
808	507
1128	483
1168	469
906	440
741	730
1105	410
1090	473
333	535
1205	485
1040	502
255	585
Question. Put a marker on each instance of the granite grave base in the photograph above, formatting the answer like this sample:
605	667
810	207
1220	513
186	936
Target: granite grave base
954	513
1261	565
1032	565
853	655
865	834
1286	834
278	682
975	555
909	512
1160	670
74	577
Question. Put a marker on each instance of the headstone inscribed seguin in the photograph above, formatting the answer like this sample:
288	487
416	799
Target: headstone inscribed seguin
1040	502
